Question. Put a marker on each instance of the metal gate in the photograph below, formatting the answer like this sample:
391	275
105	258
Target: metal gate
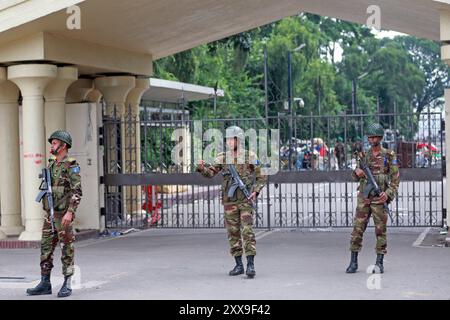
144	188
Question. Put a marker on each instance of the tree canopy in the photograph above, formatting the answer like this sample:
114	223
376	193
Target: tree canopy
404	72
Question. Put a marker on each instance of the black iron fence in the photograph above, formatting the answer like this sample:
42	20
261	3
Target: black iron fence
311	189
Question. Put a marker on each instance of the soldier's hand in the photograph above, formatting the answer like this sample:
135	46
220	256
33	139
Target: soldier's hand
67	219
201	165
253	196
383	197
360	173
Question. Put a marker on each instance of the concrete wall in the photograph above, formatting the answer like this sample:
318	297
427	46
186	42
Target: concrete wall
82	124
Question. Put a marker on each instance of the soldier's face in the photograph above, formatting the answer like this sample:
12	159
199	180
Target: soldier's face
56	146
375	141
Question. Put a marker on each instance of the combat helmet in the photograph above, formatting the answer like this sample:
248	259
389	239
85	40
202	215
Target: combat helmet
375	130
63	136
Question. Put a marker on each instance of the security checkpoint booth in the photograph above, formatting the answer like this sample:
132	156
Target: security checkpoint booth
58	61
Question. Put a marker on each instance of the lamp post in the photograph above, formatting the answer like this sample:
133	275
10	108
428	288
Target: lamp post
290	99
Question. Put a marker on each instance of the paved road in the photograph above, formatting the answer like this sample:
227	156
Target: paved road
193	264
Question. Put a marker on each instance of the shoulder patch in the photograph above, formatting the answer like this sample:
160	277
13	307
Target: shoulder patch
75	169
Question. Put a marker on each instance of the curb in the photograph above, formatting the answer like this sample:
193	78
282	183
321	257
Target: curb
15	243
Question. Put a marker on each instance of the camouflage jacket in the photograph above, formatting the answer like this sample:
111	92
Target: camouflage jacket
339	150
249	171
66	185
385	170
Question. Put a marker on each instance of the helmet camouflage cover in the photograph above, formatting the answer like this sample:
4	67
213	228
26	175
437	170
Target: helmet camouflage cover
63	136
375	130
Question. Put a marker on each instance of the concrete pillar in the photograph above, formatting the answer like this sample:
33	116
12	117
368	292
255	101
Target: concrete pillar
79	90
11	220
55	99
115	91
133	101
132	136
94	96
32	79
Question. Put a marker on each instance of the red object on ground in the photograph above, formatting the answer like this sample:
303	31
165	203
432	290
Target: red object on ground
152	204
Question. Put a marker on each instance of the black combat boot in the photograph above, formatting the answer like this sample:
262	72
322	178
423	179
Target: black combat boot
379	268
44	287
239	268
250	267
66	289
353	263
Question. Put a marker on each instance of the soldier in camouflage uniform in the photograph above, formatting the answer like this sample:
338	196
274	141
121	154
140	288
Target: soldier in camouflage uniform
339	152
66	188
384	167
238	211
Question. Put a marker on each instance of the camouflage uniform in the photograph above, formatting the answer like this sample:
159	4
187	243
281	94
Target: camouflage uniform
385	170
238	211
66	187
357	146
339	151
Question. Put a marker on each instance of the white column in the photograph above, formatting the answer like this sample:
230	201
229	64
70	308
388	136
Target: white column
134	101
55	99
133	141
11	220
32	80
79	90
94	96
115	91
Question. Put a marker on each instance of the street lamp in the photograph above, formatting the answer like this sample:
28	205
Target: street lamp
290	98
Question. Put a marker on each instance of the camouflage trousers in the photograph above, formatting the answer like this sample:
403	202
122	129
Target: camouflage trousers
363	212
48	244
239	224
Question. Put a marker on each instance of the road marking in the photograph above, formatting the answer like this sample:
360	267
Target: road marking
422	236
265	234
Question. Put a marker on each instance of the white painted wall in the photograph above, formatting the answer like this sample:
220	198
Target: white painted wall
81	121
